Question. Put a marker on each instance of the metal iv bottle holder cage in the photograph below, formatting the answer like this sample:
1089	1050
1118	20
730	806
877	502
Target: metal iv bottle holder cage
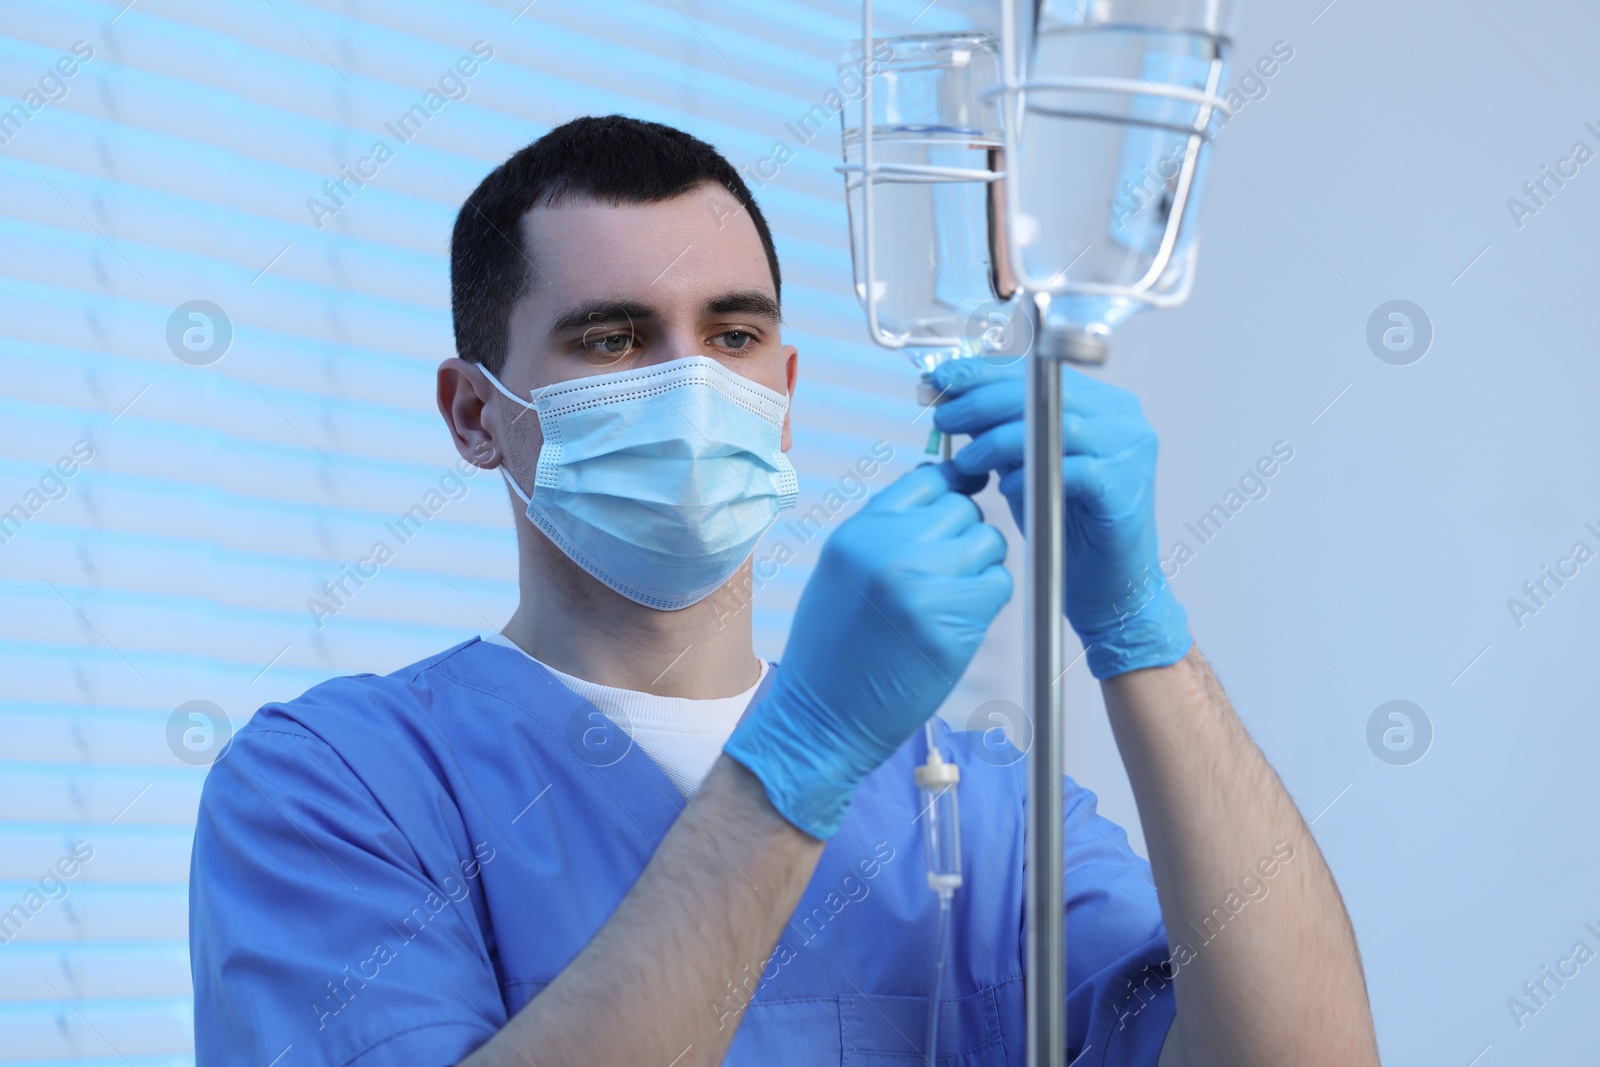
1081	346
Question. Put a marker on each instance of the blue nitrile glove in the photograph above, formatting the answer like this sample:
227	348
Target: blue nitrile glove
901	599
1117	599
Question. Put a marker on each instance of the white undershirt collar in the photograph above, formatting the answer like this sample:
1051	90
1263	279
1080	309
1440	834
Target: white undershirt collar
683	735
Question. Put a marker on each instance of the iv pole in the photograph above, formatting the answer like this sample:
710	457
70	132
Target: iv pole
1044	899
1043	524
1043	521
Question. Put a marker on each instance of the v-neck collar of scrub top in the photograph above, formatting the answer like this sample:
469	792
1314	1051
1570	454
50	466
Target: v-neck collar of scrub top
637	785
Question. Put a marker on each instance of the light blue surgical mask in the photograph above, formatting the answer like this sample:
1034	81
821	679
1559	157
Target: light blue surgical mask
659	481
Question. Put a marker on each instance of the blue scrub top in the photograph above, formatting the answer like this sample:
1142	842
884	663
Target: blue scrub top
386	869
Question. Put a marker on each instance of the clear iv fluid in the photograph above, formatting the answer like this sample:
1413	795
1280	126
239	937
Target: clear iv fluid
1100	168
941	838
931	242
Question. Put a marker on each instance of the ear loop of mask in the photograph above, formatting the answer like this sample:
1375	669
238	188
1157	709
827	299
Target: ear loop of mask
504	470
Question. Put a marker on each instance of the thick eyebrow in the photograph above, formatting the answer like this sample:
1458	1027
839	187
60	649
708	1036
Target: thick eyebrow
600	313
745	302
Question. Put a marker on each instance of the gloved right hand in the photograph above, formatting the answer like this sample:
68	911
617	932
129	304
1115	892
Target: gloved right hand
900	601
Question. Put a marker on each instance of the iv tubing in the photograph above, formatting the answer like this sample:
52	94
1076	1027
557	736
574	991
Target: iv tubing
935	987
944	444
946	893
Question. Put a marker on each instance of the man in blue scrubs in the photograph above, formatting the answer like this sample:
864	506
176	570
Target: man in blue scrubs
610	834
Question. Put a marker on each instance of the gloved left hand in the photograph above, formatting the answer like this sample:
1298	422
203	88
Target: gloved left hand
1116	597
901	598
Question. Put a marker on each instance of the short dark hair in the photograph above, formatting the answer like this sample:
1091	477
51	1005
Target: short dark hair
612	159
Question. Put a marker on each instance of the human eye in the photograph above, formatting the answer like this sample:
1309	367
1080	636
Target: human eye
735	340
610	344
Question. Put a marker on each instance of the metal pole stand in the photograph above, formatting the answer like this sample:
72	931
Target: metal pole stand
1045	903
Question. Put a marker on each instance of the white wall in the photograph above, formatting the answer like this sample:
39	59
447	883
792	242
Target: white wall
1378	167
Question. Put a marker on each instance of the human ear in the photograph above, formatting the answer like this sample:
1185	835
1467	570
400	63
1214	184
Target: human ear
462	396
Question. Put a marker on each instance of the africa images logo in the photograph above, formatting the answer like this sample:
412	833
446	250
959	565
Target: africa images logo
405	128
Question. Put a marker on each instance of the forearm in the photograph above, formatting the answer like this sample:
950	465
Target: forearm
652	986
1267	967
